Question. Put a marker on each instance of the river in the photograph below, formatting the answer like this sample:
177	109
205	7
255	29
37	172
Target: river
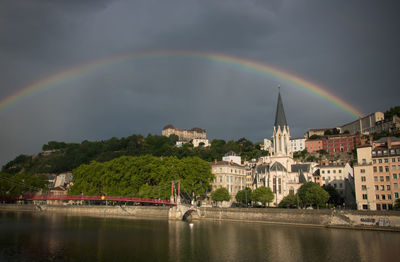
28	236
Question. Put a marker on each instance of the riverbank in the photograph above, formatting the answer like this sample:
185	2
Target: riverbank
350	219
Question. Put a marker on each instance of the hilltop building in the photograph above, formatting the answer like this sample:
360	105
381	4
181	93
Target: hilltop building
364	125
184	135
297	144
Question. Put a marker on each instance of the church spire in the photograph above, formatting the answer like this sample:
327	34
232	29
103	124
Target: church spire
280	118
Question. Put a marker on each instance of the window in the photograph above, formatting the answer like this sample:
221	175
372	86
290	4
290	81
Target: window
375	169
393	167
389	197
329	171
377	197
386	168
395	185
220	179
365	196
375	178
365	207
362	170
387	178
377	188
341	185
383	197
340	171
382	187
364	161
329	178
227	179
374	161
393	159
363	179
394	176
388	187
323	171
379	160
386	160
334	185
396	195
380	169
363	187
334	171
381	178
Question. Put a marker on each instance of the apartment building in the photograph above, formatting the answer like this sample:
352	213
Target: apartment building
376	174
229	175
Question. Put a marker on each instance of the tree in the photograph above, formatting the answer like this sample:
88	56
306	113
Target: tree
312	194
397	204
244	196
262	194
221	194
315	137
334	196
346	132
289	201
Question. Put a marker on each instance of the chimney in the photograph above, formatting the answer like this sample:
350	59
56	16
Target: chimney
389	142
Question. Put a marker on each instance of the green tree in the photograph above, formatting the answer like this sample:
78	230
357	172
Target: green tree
221	194
244	196
289	201
397	204
263	195
334	196
312	194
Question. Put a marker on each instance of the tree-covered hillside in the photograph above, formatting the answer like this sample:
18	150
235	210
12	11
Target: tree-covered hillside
59	157
143	176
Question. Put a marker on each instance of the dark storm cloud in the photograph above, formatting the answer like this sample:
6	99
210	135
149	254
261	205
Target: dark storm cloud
349	47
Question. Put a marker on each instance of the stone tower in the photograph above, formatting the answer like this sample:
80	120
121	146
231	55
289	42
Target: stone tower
281	135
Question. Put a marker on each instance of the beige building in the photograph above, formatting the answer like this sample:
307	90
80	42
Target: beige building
183	134
229	175
364	125
376	174
197	141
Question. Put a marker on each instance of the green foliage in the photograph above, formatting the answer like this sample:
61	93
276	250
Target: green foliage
67	156
322	152
244	196
289	201
263	195
54	145
346	132
315	137
221	194
144	176
334	196
16	184
393	111
300	154
312	194
397	204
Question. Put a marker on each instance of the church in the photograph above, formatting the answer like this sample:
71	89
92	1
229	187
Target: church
279	171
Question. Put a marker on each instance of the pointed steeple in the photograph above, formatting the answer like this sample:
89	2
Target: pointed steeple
280	118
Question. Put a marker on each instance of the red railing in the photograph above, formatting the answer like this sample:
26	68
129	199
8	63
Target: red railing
100	198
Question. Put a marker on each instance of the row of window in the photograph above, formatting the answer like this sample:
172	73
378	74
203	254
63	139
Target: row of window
382	178
333	171
327	179
385	152
386	160
380	168
389	197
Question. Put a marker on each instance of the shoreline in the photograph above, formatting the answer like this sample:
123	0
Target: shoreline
349	219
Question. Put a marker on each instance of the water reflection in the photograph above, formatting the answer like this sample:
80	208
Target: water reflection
56	237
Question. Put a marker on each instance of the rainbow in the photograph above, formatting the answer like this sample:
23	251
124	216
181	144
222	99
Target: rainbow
83	69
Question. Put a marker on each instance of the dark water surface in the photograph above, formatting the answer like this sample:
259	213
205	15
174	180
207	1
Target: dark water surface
55	237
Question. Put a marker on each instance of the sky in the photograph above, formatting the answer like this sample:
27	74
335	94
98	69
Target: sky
349	48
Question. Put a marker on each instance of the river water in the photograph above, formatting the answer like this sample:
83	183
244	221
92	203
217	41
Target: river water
28	236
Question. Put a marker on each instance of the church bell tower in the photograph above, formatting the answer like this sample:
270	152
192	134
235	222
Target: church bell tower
281	135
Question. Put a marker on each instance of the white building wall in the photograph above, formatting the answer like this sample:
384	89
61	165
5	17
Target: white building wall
298	144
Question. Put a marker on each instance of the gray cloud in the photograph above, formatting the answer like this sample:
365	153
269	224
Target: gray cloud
350	48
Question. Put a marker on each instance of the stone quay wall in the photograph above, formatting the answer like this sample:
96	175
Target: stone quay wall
322	217
98	211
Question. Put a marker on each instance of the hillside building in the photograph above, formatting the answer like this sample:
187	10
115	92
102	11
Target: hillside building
184	135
